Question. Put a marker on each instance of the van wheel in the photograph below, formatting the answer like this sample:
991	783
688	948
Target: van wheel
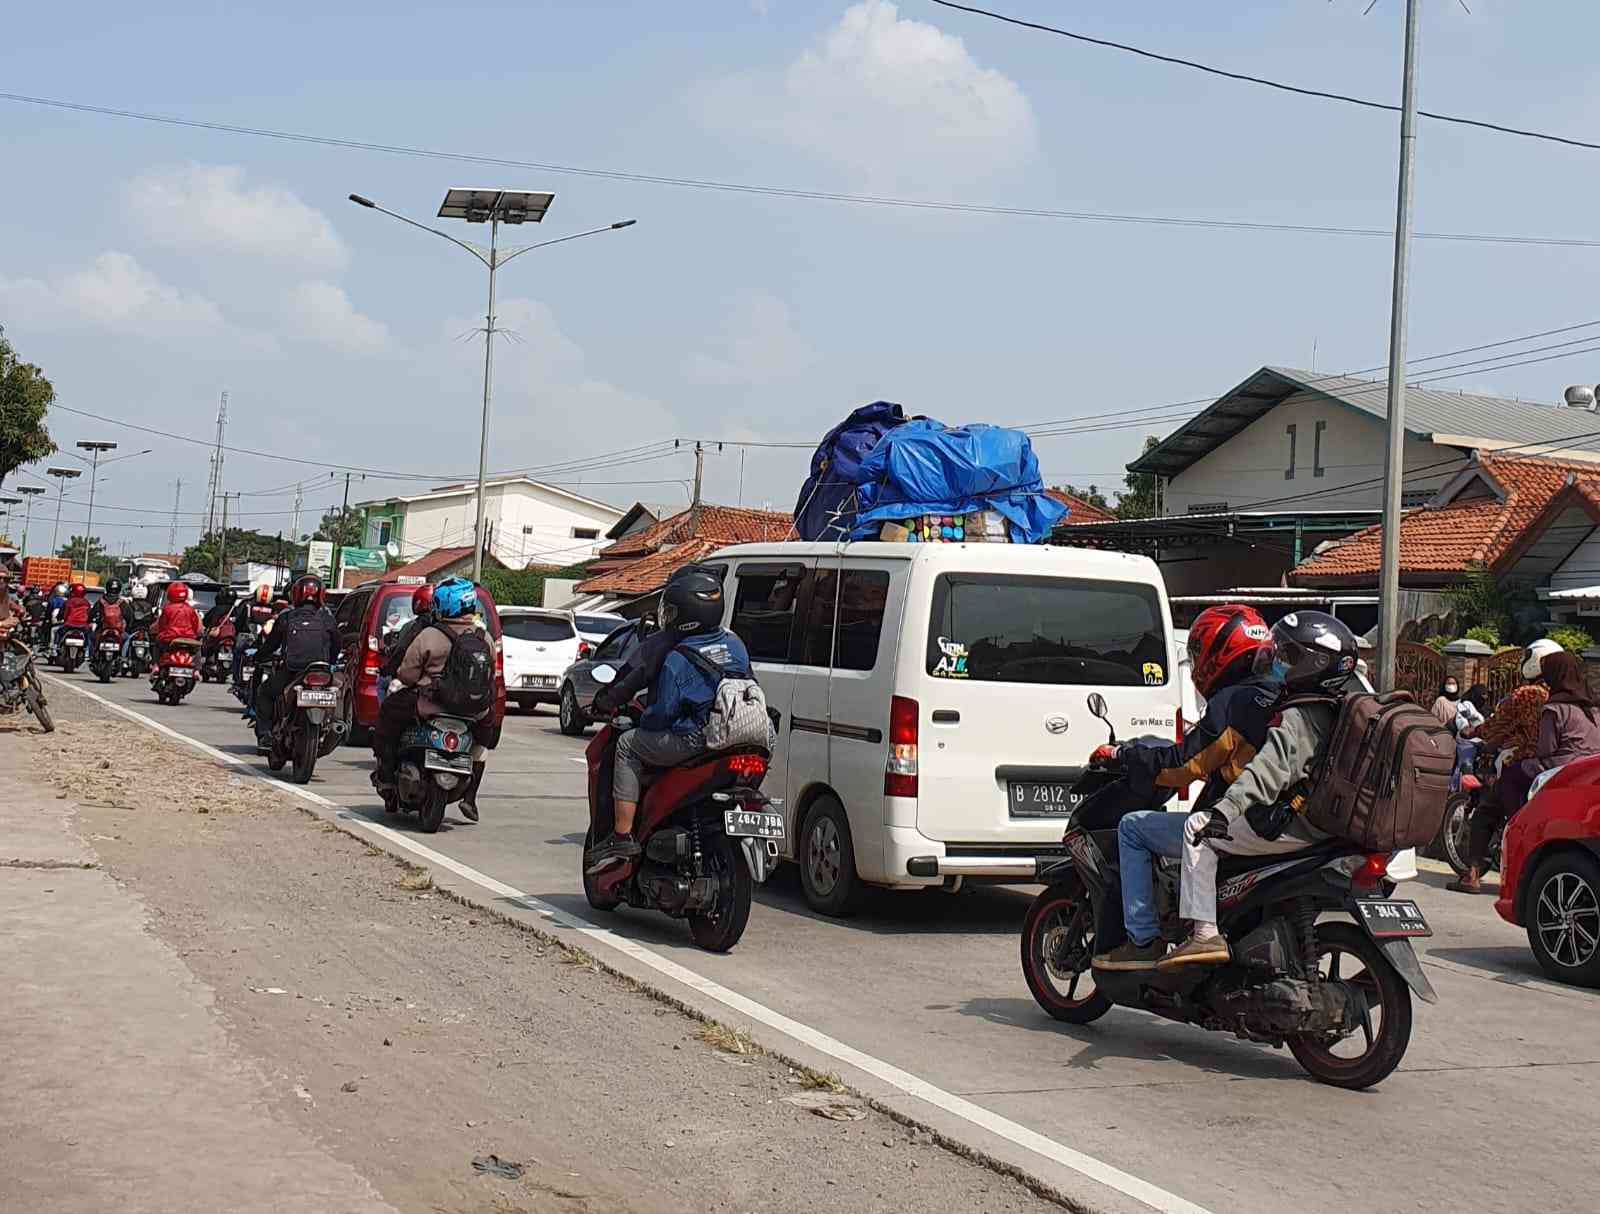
827	857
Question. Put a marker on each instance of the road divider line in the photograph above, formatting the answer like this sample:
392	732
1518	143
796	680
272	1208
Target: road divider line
902	1081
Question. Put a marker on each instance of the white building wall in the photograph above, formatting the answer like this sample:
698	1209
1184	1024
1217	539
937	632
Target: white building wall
1247	472
549	517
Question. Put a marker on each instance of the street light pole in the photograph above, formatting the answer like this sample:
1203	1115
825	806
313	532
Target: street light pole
1394	455
31	491
62	475
492	207
94	449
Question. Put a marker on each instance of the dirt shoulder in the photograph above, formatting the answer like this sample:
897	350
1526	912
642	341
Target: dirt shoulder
410	1033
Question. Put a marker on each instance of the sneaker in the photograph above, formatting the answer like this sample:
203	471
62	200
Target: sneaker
1131	956
614	850
469	811
1213	950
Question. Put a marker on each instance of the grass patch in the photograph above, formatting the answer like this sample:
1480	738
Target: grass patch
415	880
820	1081
328	828
727	1040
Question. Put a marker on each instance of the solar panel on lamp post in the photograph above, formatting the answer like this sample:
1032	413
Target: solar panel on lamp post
493	207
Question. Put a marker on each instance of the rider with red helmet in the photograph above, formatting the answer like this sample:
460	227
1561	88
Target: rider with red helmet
304	634
177	619
1223	646
396	644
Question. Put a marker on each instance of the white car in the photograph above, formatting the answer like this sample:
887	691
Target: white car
540	644
596	626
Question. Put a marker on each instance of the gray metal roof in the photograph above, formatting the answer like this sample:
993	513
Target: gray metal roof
1457	418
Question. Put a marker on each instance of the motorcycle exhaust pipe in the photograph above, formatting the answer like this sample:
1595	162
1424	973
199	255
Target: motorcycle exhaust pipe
341	727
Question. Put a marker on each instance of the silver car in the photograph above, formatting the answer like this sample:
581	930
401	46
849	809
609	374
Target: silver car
578	687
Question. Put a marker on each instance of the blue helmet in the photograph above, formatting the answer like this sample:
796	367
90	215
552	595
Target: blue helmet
455	597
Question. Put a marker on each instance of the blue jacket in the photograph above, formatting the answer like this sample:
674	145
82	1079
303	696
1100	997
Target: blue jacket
681	695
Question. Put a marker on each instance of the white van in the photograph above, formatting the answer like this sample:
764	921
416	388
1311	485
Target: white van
933	697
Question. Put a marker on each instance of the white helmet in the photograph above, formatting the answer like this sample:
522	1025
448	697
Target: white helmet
1534	655
141	591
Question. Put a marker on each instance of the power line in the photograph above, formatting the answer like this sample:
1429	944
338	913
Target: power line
734	187
1345	98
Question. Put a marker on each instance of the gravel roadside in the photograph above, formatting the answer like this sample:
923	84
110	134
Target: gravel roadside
411	1033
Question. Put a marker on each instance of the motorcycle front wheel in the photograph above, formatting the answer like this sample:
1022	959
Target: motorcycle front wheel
1456	831
1367	1056
719	929
1058	951
40	713
306	744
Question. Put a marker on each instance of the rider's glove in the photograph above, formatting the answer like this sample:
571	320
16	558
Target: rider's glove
1103	754
1205	824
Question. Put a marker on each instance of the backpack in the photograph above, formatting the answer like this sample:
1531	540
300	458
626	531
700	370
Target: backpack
305	638
110	615
466	687
1382	776
738	714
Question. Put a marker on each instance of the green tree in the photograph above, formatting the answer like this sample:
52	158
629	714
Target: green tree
1094	495
344	527
99	561
242	545
25	397
1138	500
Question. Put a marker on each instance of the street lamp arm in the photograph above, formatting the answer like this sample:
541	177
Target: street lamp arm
610	227
372	206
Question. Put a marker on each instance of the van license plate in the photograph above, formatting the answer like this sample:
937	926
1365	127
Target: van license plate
1392	918
752	824
1030	799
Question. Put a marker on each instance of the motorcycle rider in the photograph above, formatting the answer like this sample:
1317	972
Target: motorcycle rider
1224	642
74	611
681	693
305	634
38	611
249	616
1315	655
177	621
455	605
215	620
395	647
10	610
139	613
107	615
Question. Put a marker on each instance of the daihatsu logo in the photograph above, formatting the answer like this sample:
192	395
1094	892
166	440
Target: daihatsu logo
1055	725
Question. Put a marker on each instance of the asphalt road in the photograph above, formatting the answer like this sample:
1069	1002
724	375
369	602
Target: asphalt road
1493	1107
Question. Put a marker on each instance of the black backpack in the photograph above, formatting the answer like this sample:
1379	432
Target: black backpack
305	637
465	686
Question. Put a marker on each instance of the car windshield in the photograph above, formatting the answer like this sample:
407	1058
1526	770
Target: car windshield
599	625
537	627
995	628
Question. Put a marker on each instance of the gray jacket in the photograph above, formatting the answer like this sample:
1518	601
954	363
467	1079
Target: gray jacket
1283	761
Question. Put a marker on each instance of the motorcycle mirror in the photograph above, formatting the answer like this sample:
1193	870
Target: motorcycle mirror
1097	705
604	674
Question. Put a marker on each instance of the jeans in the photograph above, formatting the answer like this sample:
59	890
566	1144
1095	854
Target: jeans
1197	899
1141	837
1466	756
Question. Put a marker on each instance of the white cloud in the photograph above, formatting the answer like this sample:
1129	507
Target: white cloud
115	294
893	103
323	313
207	209
762	347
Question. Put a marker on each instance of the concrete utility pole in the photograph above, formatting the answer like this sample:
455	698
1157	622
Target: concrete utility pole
694	502
216	464
172	532
1394	456
30	492
222	544
338	536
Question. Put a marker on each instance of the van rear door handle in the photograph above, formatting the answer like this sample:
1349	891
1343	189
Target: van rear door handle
946	716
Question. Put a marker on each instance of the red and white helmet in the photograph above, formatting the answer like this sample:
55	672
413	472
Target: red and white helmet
178	592
1223	643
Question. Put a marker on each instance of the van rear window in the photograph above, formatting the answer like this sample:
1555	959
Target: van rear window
998	628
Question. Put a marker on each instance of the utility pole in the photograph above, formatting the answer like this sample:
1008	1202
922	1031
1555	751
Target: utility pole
294	530
30	492
216	465
172	533
222	545
1394	455
694	502
338	536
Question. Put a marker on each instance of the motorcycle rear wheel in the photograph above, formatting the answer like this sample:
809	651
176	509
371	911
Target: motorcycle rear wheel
431	813
719	929
104	674
591	889
1058	948
1386	993
306	744
40	713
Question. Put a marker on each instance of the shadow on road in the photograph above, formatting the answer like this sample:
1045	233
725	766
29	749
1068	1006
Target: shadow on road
1512	963
994	910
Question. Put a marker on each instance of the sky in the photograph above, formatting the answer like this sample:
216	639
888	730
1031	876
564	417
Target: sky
147	268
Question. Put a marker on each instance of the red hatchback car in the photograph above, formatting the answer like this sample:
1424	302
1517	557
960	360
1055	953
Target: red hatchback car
366	617
1550	873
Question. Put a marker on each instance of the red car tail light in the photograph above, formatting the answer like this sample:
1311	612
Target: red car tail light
584	650
900	772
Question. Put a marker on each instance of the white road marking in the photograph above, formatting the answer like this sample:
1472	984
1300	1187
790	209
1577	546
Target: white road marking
1020	1135
576	759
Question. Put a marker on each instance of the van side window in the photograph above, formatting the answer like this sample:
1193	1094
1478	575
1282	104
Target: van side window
764	610
351	611
862	596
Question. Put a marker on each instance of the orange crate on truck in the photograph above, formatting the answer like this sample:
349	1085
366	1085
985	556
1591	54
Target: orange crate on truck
45	570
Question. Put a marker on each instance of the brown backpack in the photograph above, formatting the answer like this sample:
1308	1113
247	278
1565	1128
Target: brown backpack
1383	775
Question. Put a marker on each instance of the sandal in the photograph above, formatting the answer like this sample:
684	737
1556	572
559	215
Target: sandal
1462	886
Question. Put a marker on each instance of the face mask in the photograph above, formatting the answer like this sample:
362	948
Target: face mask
1450	689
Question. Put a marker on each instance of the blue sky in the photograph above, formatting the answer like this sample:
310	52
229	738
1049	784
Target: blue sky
147	267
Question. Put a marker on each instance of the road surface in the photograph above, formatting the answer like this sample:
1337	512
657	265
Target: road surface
1493	1107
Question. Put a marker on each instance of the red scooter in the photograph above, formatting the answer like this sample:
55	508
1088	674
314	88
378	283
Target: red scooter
707	833
175	674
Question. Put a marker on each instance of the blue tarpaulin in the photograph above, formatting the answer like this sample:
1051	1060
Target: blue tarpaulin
925	467
825	509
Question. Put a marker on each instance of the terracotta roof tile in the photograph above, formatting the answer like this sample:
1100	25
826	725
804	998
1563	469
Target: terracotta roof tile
432	563
725	524
650	572
1079	511
1448	539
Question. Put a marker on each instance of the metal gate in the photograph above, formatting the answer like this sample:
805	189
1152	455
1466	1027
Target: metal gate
1419	670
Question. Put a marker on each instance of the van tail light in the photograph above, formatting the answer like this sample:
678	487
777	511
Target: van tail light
1373	870
900	773
1183	793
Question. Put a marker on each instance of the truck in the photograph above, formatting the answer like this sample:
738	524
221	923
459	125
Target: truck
45	571
149	570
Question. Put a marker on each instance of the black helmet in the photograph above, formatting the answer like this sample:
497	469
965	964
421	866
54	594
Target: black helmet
692	600
113	588
1312	651
225	596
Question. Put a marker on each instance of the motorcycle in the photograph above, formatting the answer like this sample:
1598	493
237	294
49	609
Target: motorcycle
174	677
707	833
216	656
242	689
137	662
72	646
434	770
308	723
1338	994
1455	832
19	683
106	656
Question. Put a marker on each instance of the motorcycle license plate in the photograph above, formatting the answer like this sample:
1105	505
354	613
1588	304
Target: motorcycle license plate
434	761
180	672
752	823
1392	918
74	643
1041	799
316	699
247	672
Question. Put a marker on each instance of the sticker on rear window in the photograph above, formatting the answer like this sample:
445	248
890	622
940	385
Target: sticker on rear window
1154	676
952	662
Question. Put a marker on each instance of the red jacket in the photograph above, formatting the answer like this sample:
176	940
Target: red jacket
76	613
177	620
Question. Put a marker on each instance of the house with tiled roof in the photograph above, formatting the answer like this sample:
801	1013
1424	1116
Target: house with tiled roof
631	569
1078	510
439	564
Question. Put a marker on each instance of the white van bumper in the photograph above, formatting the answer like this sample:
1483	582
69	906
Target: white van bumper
911	858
